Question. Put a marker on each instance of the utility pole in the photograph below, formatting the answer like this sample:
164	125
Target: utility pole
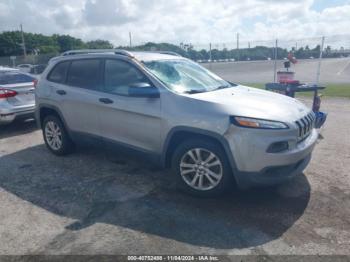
210	58
249	45
130	39
23	43
237	46
275	63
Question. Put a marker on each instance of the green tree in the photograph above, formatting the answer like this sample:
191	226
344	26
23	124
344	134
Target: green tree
10	43
99	44
66	42
203	54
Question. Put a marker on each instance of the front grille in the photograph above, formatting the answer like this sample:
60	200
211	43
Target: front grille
305	125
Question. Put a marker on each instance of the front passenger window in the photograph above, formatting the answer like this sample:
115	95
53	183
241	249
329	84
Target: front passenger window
120	75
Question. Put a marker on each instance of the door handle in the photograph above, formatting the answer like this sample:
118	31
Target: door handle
106	100
61	92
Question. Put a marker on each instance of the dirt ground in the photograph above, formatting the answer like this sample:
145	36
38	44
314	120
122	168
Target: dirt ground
99	201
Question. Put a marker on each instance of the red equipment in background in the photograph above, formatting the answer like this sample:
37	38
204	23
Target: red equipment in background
291	58
288	86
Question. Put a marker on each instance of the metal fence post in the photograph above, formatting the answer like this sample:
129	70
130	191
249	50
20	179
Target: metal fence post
210	57
275	64
319	62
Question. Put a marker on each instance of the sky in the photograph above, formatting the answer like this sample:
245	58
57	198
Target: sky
176	21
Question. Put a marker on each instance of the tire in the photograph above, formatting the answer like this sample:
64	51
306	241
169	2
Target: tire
182	160
64	145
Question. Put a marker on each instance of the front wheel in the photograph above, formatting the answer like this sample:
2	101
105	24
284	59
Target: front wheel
201	168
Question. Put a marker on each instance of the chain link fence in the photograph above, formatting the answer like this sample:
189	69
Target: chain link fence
247	61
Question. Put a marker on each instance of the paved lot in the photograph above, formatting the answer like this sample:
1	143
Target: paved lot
100	202
332	70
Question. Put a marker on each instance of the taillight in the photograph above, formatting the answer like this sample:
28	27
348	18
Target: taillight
35	82
6	93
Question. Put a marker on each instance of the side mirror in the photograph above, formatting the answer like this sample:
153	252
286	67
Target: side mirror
143	90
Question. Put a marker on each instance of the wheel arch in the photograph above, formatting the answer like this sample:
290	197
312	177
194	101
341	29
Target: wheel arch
45	110
180	134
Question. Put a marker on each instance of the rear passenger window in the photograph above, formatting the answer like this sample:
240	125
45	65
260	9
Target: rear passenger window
58	73
85	74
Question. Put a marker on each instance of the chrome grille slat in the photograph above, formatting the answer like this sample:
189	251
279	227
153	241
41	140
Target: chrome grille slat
311	117
299	126
305	125
310	125
311	121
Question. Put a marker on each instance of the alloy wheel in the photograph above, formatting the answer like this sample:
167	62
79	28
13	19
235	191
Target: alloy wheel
53	135
201	169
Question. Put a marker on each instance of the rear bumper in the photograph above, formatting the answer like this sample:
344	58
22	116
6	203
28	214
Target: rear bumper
9	115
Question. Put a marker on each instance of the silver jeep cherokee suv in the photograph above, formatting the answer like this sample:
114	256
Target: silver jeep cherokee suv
209	131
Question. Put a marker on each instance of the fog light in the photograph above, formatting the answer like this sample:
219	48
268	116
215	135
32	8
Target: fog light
278	147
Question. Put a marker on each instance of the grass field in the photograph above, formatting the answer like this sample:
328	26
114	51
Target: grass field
332	90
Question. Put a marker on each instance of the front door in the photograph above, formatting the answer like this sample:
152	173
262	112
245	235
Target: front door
134	121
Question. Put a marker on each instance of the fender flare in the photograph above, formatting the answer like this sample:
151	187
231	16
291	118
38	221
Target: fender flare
54	108
219	138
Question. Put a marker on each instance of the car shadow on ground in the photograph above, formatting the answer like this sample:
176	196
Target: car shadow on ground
18	127
99	186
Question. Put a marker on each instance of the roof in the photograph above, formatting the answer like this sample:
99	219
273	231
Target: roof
139	55
150	56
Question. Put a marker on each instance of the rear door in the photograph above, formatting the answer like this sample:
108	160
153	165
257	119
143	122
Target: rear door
78	95
21	83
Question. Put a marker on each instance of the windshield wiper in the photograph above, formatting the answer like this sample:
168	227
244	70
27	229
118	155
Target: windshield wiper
194	91
222	87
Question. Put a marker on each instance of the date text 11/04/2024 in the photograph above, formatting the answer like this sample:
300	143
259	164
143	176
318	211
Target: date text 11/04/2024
173	258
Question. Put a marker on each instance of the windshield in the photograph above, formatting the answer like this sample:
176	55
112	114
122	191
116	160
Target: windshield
184	76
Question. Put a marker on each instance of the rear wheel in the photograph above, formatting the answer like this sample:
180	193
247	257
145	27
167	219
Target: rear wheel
56	137
201	168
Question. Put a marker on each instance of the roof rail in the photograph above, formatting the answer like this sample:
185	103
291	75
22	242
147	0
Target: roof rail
123	52
96	51
167	53
86	51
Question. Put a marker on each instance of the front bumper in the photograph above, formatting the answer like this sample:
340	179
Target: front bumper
9	115
254	166
271	175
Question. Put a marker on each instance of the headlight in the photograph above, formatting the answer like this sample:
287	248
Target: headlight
257	123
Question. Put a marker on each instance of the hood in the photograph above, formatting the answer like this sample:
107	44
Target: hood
252	102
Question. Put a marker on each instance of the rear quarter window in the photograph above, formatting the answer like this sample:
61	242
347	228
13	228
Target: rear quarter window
59	72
